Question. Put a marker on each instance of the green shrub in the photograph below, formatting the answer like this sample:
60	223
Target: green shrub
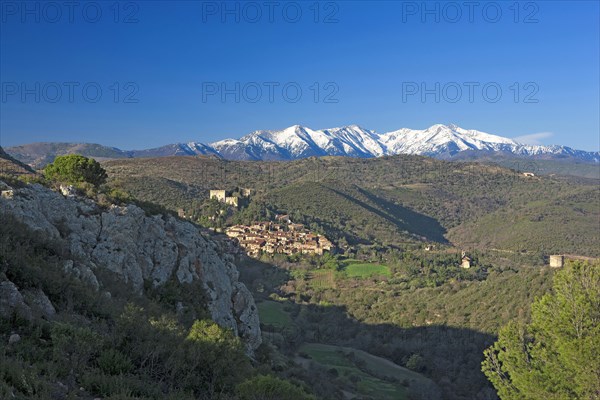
415	363
113	362
119	196
21	381
210	360
74	347
74	169
266	387
13	375
120	387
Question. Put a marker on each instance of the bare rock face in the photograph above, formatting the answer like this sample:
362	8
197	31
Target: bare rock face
245	311
39	302
14	338
140	249
12	302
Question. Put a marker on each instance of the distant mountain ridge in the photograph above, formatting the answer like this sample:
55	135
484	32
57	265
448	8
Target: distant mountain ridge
295	142
9	165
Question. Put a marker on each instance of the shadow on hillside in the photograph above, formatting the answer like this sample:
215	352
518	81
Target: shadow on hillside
451	356
403	218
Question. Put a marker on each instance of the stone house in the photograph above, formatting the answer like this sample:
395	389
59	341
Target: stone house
465	261
557	261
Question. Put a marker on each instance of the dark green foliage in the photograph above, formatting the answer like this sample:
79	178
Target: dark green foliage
565	220
265	387
74	347
122	387
198	361
18	380
75	169
212	354
416	363
555	356
113	362
358	215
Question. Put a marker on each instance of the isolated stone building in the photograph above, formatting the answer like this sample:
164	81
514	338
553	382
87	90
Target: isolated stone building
465	261
557	261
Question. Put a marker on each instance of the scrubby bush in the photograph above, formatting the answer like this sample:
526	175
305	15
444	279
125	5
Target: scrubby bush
74	347
75	169
114	362
266	387
415	363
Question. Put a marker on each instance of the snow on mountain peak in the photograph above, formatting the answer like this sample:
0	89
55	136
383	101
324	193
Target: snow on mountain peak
439	140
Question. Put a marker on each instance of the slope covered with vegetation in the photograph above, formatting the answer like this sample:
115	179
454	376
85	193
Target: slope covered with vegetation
421	312
388	200
70	329
114	346
554	356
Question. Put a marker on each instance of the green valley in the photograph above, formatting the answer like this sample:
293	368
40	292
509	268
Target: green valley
393	312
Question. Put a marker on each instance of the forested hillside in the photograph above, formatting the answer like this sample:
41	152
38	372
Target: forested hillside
389	200
423	313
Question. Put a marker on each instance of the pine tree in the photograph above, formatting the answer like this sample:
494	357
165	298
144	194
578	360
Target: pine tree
556	355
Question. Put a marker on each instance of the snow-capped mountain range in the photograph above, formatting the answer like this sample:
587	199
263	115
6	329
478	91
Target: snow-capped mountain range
439	141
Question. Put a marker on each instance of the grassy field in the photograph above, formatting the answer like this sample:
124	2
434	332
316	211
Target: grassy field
365	270
272	313
322	279
372	376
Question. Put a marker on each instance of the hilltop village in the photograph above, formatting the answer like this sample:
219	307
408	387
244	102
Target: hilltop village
278	238
281	237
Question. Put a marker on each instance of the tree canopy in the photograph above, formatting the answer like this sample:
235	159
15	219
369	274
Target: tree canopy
74	169
556	355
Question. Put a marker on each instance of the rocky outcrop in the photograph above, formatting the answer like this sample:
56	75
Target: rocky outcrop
140	249
39	302
12	302
24	304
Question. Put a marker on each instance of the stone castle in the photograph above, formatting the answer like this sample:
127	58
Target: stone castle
231	198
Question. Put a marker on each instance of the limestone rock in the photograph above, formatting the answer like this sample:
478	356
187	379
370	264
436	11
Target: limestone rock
39	302
14	338
246	315
139	249
82	272
68	190
12	302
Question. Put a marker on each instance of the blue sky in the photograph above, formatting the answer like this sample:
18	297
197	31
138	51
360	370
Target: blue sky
195	71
